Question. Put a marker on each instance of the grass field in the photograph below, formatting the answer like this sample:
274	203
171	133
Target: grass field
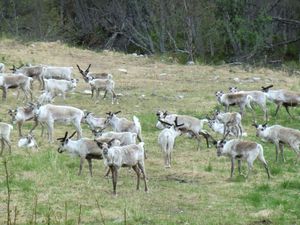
45	188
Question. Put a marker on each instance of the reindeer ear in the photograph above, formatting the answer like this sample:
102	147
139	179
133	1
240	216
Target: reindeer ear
117	112
265	124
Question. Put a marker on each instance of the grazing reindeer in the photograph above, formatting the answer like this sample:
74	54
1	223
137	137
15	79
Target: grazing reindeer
241	150
282	98
106	85
192	125
132	156
49	114
16	81
84	148
87	74
22	114
166	140
240	99
35	72
232	122
279	135
259	97
125	125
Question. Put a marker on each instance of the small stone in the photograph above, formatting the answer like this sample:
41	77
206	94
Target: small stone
123	70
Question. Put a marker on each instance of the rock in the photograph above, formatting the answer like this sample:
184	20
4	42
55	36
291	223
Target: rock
236	79
89	92
190	63
123	70
179	96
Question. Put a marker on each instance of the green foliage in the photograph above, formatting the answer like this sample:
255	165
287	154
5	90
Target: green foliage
290	184
207	31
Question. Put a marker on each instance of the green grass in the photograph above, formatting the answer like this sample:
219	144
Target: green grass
195	190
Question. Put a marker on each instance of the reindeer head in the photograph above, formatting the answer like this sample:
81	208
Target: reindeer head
260	129
64	141
161	114
98	132
219	94
233	89
105	145
175	125
86	115
220	144
84	73
110	116
13	114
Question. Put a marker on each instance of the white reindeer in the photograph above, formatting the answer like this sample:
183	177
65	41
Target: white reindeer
280	136
241	150
166	140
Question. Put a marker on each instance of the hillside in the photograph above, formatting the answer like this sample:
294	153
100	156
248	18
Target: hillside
195	190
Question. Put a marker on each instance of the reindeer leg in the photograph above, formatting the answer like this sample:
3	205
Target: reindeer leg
232	167
114	178
138	174
281	147
288	111
206	138
277	109
2	146
277	148
90	166
80	165
142	168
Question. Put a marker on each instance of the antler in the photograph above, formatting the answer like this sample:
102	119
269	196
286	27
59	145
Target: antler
266	88
88	68
176	124
117	112
64	138
80	70
164	122
225	136
72	135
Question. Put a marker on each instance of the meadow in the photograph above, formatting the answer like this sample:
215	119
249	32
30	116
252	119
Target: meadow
45	187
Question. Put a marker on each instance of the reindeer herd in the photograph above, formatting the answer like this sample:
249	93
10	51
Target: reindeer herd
119	148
